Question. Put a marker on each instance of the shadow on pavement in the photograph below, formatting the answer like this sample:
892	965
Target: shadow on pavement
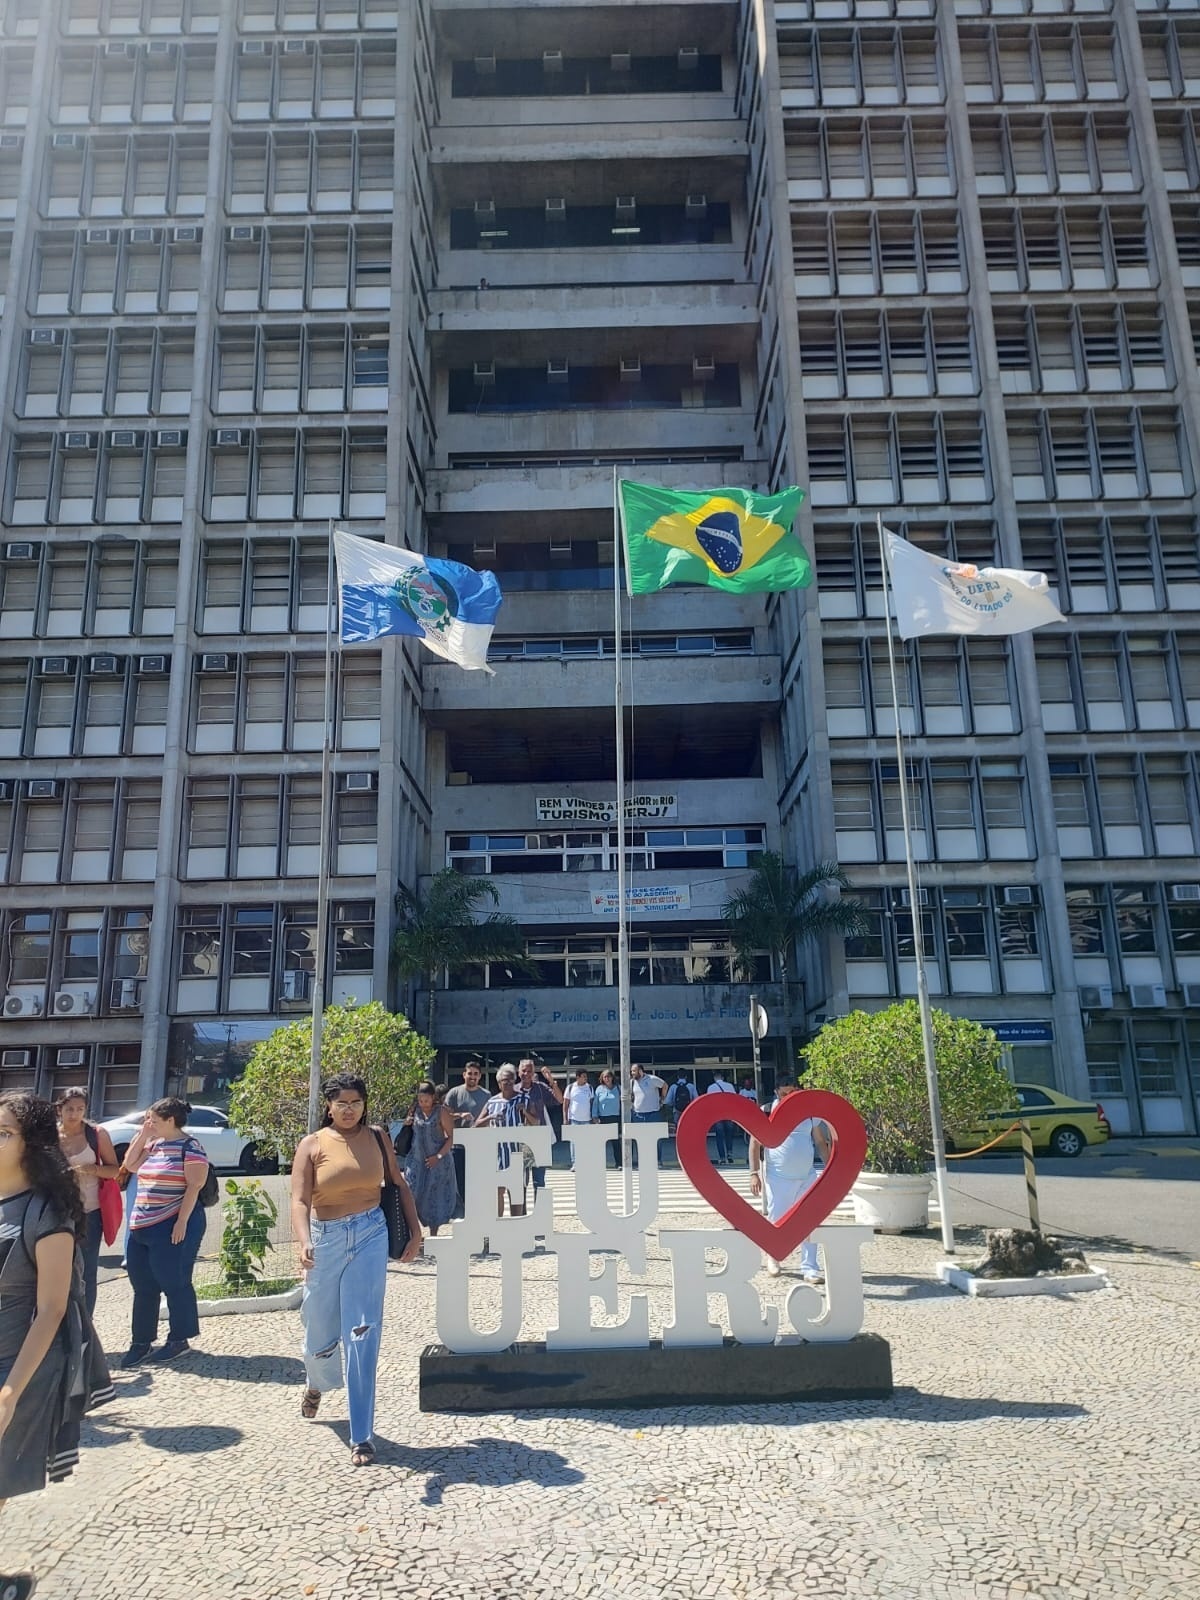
910	1288
247	1369
103	1429
491	1462
905	1405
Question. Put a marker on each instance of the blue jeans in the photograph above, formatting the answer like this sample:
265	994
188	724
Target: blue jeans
724	1136
343	1309
158	1267
93	1238
648	1116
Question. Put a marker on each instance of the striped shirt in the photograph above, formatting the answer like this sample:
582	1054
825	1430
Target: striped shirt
161	1181
502	1113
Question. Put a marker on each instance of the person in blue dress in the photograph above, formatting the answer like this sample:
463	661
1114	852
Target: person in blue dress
429	1165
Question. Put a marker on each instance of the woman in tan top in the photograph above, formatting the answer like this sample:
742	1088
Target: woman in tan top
336	1181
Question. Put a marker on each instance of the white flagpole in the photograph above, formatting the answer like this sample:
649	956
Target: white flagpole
332	609
625	1144
931	1082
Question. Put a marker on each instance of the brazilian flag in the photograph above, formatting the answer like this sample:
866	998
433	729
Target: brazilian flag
729	539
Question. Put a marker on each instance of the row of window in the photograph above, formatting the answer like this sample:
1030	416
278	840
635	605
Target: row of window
881	252
305	78
1092	247
296	269
102	271
557	225
556	72
1095	348
99	588
595	850
288	172
1042	63
122	17
1131	919
94	372
882	157
878	10
1125	805
959	810
81	832
1117	682
966	922
868	353
1056	153
1143	1057
860	66
1094	454
589	961
628	384
321	16
953	685
108	1072
263	957
268	827
123	83
1098	564
129	477
112	175
646	645
77	962
318	368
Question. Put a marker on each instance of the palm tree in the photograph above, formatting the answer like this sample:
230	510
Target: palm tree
441	929
781	909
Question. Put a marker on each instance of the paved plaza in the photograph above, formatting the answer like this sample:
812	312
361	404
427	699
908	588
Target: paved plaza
1040	1448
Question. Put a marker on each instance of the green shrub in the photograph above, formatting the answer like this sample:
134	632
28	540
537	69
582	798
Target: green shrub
249	1214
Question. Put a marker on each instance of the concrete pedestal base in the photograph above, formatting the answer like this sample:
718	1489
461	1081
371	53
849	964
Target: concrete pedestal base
528	1377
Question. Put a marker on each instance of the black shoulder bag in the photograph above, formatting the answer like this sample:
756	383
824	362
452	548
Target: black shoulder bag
392	1205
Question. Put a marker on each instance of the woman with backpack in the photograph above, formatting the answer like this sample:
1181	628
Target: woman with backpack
92	1158
165	1230
51	1368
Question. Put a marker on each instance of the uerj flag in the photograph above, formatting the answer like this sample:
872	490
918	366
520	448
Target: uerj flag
382	590
731	539
938	596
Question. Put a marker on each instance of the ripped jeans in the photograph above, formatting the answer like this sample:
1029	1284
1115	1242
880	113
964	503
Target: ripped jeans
343	1308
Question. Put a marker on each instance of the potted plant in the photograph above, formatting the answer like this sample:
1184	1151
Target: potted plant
875	1060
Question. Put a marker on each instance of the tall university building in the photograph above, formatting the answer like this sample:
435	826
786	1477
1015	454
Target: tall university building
435	271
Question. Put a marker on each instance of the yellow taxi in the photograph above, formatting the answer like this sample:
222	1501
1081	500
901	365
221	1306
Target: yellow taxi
1058	1124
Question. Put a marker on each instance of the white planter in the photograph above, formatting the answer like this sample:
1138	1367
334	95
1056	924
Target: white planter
1044	1283
287	1301
892	1202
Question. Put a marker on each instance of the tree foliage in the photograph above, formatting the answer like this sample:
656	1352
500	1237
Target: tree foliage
269	1102
443	929
875	1059
781	909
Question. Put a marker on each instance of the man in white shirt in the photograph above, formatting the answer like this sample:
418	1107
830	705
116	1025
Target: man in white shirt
577	1103
647	1093
787	1171
722	1131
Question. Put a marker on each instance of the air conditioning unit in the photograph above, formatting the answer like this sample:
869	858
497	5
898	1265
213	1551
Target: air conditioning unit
126	439
115	49
104	666
631	371
1019	895
16	1058
359	782
485	213
8	788
561	549
74	1003
485	374
161	47
153	666
102	236
688	58
1179	891
67	141
252	47
1096	996
626	207
556	210
621	60
124	994
22	1005
43	788
56	666
296	984
484	549
557	370
186	235
47	335
695	207
216	662
169	438
230	438
1147	996
1191	996
297	47
922	897
145	235
485	66
80	441
552	61
22	551
703	368
70	1058
242	233
458	780
12	141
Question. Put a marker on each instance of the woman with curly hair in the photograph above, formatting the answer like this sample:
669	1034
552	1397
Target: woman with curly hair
51	1369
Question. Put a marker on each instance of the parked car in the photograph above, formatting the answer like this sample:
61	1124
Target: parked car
1058	1124
223	1144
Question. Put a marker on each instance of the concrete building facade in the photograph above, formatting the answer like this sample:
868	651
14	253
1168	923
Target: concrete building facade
439	273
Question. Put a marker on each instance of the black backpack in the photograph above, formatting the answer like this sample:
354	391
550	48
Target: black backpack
210	1191
681	1097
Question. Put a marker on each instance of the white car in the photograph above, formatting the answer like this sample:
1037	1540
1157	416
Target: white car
223	1144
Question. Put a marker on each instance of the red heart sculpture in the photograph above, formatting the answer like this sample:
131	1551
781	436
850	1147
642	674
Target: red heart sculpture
780	1238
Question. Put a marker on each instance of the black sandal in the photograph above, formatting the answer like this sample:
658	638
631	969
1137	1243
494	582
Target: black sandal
309	1401
362	1455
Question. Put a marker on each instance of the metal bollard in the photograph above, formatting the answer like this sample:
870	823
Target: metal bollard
1030	1176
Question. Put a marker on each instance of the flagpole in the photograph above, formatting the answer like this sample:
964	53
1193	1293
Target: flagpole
318	988
625	1144
931	1081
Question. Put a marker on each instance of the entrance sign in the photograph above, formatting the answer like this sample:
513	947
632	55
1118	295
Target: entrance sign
832	1317
569	808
